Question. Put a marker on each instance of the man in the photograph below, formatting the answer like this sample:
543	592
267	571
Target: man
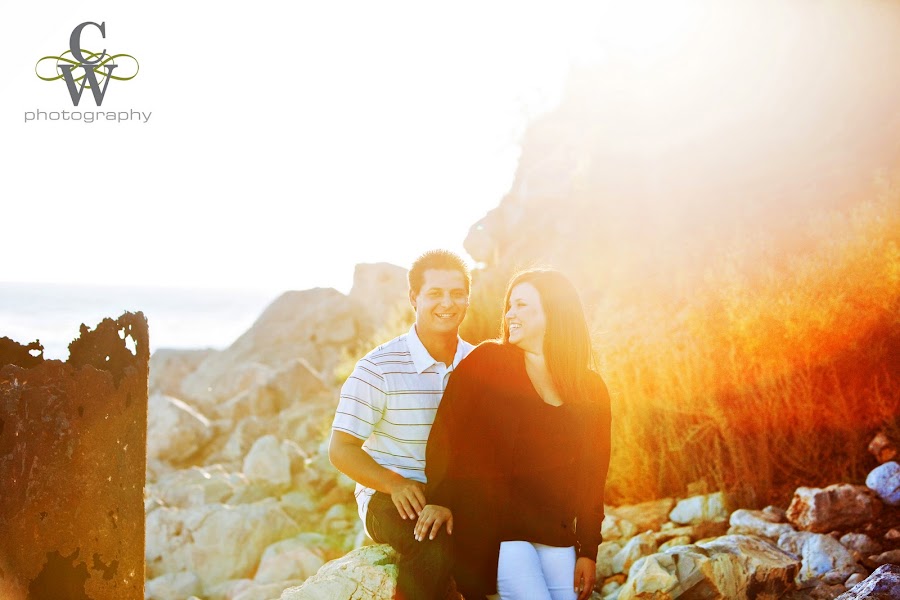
384	416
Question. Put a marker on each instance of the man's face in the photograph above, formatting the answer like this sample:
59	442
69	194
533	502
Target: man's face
441	303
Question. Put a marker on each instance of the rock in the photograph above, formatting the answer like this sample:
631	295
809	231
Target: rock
890	557
609	588
860	542
296	382
882	448
638	546
237	379
217	542
298	504
882	584
820	591
884	480
730	567
242	438
616	528
708	530
698	509
651	577
668	533
227	590
837	506
368	573
770	572
296	455
196	486
755	522
287	559
268	463
775	514
175	430
892	535
647	515
267	591
172	586
823	558
681	540
317	324
606	552
168	367
854	579
380	289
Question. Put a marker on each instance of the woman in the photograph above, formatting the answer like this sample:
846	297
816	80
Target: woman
519	451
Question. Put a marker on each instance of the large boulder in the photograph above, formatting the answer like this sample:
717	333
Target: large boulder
216	542
169	367
884	480
173	586
268	463
639	546
882	584
881	447
296	383
839	506
317	324
175	430
288	559
616	528
822	558
367	573
757	522
698	509
860	544
770	571
197	486
646	515
734	567
380	289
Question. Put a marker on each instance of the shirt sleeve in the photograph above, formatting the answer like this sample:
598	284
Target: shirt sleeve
595	461
362	402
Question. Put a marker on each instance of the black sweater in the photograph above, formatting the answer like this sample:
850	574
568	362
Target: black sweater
512	467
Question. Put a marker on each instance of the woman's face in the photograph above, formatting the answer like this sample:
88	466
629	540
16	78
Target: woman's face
525	319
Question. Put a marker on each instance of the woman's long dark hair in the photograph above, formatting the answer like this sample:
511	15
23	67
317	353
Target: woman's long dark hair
567	342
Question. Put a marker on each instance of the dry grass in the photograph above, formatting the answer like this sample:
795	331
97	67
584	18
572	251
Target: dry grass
776	373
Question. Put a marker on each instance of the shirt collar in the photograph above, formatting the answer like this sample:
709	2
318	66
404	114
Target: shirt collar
422	360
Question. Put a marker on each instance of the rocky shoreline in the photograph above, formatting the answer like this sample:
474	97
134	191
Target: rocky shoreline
241	502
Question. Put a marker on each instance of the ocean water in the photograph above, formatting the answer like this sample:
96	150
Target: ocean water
177	317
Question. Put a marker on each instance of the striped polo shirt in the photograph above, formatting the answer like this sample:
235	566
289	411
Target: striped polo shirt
390	401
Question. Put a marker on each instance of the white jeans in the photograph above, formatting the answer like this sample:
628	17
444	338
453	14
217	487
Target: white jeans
536	572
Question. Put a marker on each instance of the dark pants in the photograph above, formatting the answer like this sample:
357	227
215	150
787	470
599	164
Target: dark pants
424	567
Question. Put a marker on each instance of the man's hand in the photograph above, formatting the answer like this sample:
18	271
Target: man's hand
585	577
431	519
347	455
409	497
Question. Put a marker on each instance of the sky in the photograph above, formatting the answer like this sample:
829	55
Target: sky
286	142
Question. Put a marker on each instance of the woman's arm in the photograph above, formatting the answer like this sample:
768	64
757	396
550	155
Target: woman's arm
593	466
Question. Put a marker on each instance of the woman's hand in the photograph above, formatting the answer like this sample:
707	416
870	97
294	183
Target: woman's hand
430	521
585	577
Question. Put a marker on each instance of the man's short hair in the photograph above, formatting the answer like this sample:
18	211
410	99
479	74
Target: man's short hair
436	259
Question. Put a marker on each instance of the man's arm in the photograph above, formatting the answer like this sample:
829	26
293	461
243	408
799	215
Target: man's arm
347	455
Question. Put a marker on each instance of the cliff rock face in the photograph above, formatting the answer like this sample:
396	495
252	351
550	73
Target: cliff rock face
317	325
644	170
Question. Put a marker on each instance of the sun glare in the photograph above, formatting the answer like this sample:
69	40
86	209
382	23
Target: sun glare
644	31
